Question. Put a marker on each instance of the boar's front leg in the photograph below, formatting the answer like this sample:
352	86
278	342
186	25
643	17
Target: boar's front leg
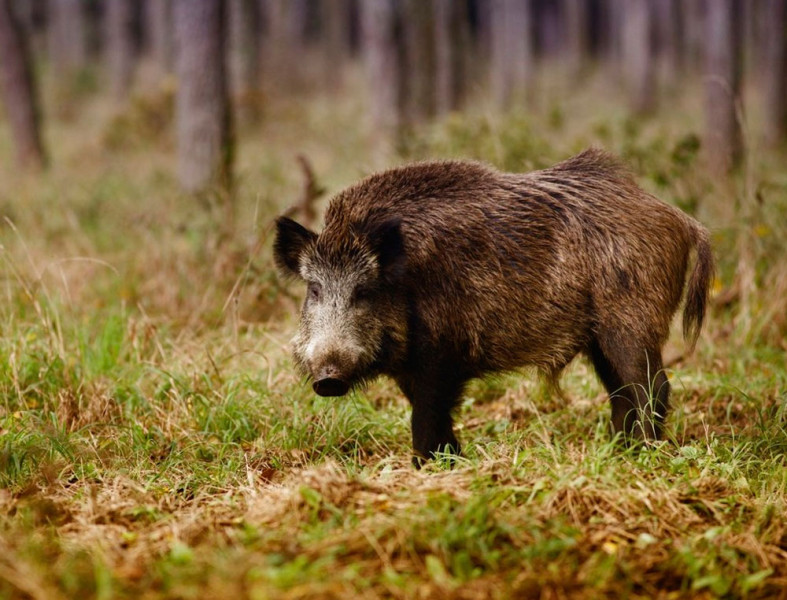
432	396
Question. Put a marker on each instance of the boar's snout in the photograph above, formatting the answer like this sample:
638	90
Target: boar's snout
330	386
329	382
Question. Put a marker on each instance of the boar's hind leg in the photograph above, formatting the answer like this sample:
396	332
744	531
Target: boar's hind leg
432	400
638	388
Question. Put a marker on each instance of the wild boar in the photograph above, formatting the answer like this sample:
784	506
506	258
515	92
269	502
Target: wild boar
438	272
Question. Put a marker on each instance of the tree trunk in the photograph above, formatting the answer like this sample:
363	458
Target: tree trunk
609	33
638	55
205	149
336	18
31	15
511	51
382	51
419	56
723	65
298	22
244	57
694	26
758	19
576	33
775	72
481	28
18	90
119	45
547	31
67	35
285	41
158	29
668	51
451	39
274	16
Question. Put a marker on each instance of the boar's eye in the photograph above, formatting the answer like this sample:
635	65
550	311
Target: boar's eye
361	294
314	291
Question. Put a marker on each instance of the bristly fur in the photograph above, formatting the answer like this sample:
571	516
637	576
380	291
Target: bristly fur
497	271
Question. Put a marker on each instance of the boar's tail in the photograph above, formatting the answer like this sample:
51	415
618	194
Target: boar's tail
699	286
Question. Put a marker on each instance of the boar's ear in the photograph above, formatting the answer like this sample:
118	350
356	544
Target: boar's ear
386	239
291	239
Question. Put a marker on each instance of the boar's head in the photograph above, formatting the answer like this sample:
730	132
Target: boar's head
353	317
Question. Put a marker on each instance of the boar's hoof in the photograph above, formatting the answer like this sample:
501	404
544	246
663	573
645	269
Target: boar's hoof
446	453
331	386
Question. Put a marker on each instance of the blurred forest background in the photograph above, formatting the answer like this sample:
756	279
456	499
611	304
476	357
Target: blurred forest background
421	60
677	87
155	439
190	78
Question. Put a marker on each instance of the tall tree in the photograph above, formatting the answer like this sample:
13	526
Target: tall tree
244	56
205	149
383	61
722	81
120	47
511	52
32	19
482	34
637	39
775	72
694	32
286	22
336	16
419	60
757	21
158	31
576	33
21	105
668	31
609	35
451	39
547	27
67	35
24	10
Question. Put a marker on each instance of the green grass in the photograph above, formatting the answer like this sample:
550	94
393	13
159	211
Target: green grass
156	442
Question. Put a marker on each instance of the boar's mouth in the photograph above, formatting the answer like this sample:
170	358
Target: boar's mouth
331	386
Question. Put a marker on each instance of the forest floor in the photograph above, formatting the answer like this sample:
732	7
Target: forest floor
155	441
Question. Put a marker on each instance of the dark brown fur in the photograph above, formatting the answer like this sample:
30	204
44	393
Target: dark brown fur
481	271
